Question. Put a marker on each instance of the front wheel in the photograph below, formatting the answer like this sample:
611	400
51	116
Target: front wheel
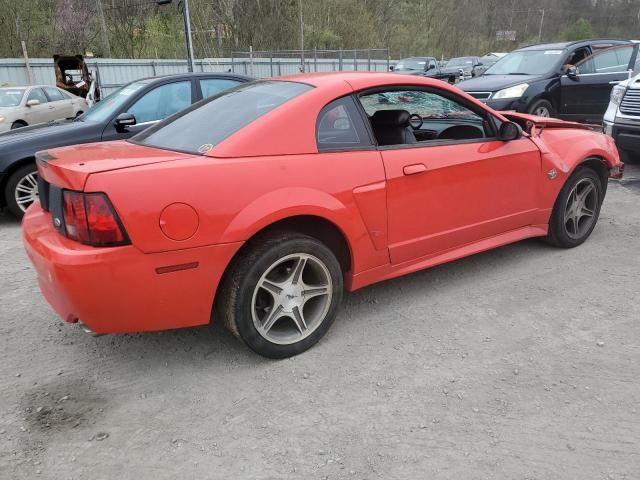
542	108
282	294
22	189
576	210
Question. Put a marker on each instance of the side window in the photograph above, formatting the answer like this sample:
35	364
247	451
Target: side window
212	86
53	94
340	126
162	102
37	94
417	116
611	60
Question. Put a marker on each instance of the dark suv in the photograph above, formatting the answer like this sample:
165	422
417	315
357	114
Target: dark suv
570	80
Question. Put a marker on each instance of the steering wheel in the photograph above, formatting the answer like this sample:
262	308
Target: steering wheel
415	121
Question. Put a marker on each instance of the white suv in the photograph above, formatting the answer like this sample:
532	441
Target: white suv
622	118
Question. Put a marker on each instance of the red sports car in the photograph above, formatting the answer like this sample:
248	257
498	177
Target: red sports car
258	206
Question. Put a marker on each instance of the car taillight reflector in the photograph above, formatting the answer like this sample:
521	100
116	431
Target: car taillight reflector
90	219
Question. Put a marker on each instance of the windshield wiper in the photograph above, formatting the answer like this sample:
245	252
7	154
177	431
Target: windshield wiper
518	73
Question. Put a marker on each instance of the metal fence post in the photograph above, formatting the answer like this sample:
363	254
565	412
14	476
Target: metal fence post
355	60
340	60
233	65
315	59
153	67
388	59
271	65
251	59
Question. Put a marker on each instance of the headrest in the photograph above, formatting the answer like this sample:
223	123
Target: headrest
391	118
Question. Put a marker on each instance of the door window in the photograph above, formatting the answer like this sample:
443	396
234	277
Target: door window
162	102
340	126
213	86
53	94
37	94
611	60
421	116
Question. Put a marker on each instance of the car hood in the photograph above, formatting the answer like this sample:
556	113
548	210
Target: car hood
71	166
493	83
528	122
46	135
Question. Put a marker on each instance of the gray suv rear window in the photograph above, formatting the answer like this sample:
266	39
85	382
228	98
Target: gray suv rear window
208	122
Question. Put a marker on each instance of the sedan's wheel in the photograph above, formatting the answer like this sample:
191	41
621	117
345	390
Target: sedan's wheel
22	190
281	295
577	209
542	108
18	124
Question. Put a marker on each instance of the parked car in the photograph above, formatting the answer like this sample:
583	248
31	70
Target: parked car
485	62
424	67
22	106
622	118
259	205
569	80
460	67
127	111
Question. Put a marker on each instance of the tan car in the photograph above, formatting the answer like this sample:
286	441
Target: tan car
22	106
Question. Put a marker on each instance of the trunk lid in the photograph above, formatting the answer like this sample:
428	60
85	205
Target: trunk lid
69	167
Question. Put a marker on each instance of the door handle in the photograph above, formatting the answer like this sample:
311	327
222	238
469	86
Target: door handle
414	169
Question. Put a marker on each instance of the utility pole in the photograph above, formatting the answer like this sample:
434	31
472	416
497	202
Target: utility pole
103	27
541	23
187	29
302	69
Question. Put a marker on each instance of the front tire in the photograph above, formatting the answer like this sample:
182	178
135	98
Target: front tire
542	108
576	210
22	189
281	294
18	124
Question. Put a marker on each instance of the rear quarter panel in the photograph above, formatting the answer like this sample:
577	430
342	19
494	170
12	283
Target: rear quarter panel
235	198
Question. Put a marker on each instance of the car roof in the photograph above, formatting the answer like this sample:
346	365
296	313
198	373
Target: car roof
578	43
190	75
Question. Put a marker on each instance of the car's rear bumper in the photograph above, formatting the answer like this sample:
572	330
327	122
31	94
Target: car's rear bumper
121	289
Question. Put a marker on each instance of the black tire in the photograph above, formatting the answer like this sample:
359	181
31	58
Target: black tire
559	234
235	296
542	104
79	113
10	188
18	124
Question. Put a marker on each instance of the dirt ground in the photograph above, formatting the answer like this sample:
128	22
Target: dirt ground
520	363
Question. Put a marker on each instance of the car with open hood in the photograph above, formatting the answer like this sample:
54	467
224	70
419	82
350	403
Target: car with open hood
258	206
569	80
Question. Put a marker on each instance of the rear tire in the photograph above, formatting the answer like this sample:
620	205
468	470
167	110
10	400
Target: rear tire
21	190
281	294
542	108
576	210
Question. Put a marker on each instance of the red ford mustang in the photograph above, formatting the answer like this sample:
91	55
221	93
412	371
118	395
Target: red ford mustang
260	205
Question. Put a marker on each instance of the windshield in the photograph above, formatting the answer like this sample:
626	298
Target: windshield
205	124
11	97
411	64
104	109
527	62
459	62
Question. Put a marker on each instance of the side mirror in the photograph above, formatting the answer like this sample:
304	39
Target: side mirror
509	131
123	121
391	68
572	72
479	64
33	103
431	66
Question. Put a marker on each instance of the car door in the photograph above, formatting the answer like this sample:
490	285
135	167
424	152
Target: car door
584	94
454	183
37	113
151	106
59	105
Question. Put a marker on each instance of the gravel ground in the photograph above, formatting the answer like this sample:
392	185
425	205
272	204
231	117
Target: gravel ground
520	363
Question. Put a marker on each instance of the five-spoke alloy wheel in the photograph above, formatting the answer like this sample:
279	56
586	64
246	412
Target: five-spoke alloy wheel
576	209
281	293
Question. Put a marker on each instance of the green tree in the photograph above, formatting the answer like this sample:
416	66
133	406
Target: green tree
579	30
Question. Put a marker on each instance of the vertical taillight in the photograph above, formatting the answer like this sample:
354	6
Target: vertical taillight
89	218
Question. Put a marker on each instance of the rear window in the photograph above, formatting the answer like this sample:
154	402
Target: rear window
210	121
